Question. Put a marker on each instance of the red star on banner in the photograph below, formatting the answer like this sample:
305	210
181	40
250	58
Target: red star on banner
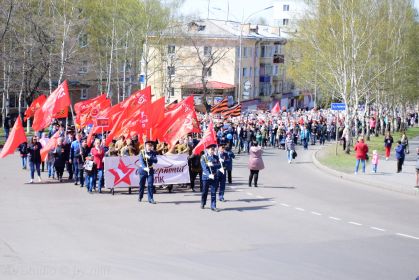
122	173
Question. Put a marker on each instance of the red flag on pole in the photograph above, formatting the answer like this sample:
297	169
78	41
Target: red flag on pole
182	125
208	138
276	109
35	105
52	143
138	102
55	103
16	137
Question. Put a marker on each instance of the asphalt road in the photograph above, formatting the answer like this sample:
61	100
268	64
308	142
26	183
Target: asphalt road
299	224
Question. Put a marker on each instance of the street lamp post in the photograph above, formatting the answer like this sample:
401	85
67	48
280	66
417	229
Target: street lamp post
240	49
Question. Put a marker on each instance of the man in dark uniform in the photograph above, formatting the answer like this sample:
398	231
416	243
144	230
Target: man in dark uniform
228	163
221	172
210	164
147	158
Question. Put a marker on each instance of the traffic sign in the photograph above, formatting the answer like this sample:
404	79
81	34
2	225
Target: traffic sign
338	106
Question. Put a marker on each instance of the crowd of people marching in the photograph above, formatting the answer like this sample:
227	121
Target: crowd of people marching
249	133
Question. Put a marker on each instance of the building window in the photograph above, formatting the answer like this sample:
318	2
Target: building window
172	91
286	8
244	72
244	52
171	70
83	93
207	51
256	71
275	70
285	21
208	72
171	49
83	40
83	68
250	71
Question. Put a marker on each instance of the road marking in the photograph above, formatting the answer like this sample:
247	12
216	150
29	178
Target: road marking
259	196
316	213
285	205
299	209
248	193
233	187
334	218
239	190
408	236
376	228
356	224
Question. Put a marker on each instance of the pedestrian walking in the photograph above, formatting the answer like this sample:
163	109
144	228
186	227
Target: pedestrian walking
34	151
221	172
6	126
148	157
374	161
361	150
60	158
399	155
210	164
98	153
290	147
388	142
75	153
23	150
255	163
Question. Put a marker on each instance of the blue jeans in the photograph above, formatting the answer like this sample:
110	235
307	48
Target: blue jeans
90	182
289	154
6	132
357	165
305	143
76	170
374	168
33	166
50	167
99	177
24	161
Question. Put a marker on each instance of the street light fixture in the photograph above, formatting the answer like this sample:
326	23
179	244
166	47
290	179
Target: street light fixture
240	49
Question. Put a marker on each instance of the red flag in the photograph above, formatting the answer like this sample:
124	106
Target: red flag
52	143
55	103
208	138
276	109
35	105
138	103
16	137
156	116
92	111
187	123
182	108
83	108
63	113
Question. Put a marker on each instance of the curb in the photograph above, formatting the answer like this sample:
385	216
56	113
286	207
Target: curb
400	189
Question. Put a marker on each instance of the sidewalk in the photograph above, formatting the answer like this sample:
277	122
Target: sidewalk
386	176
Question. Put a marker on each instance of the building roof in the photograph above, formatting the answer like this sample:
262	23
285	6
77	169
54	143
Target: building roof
210	85
212	28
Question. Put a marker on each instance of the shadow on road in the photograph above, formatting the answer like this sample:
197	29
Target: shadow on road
247	208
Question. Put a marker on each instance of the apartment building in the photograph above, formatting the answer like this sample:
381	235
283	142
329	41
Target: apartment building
241	61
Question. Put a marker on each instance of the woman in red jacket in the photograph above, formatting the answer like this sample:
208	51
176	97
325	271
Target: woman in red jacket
98	153
361	150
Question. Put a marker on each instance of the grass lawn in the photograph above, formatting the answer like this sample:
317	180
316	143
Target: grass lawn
345	163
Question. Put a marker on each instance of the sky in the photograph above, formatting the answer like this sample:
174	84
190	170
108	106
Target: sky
239	9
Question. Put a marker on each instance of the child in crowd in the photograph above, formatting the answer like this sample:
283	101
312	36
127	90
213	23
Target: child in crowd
374	161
